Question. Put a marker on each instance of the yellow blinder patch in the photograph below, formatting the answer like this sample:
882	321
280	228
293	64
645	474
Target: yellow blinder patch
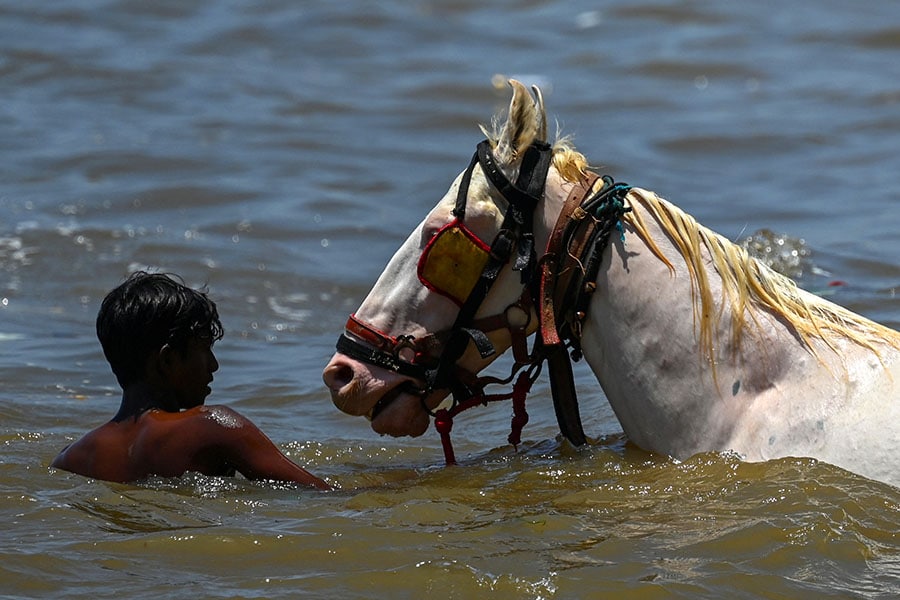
452	262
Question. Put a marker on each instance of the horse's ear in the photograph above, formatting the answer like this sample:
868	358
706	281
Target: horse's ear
541	113
522	125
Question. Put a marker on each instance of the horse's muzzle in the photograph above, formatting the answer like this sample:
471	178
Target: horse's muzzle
392	402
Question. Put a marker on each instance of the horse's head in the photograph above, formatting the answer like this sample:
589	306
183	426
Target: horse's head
451	298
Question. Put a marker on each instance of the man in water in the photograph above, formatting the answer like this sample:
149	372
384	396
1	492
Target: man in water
157	335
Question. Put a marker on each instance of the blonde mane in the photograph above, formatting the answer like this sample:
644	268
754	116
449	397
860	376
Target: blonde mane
747	284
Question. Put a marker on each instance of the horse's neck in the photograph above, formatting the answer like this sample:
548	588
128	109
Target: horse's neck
682	382
642	339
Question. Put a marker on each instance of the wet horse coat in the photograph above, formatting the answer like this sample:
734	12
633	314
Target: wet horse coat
697	346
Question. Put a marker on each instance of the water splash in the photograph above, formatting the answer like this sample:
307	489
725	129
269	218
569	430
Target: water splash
786	255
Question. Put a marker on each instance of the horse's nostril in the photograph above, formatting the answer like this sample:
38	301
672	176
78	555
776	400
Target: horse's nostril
337	376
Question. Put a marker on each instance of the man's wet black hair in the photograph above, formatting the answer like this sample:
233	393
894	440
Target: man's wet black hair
148	311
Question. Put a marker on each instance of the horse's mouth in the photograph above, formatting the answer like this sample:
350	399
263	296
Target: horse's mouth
400	412
405	388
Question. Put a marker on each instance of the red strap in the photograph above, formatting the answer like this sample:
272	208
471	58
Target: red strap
520	415
443	419
370	334
443	422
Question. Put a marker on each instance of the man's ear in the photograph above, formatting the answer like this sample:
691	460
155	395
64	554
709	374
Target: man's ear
164	359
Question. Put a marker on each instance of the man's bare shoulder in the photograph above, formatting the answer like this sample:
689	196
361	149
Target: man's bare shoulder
225	416
214	413
206	439
216	420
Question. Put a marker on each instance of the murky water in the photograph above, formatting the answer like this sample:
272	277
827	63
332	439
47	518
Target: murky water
279	152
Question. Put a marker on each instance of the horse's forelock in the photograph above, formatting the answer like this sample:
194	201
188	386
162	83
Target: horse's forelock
569	162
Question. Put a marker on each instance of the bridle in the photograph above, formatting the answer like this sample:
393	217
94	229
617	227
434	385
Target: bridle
556	288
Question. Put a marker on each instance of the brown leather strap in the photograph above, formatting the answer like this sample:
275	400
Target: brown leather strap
555	273
558	267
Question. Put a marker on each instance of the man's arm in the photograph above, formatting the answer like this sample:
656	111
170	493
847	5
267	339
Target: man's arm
253	454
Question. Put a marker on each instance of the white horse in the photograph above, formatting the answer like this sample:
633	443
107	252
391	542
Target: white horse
697	346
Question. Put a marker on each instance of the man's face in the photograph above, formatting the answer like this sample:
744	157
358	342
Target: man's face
191	372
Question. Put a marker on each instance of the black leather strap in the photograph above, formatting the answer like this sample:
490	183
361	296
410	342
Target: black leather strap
379	358
565	399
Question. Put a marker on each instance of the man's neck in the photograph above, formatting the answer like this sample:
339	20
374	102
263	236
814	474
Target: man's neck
140	397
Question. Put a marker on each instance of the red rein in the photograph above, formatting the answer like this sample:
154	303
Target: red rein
443	419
